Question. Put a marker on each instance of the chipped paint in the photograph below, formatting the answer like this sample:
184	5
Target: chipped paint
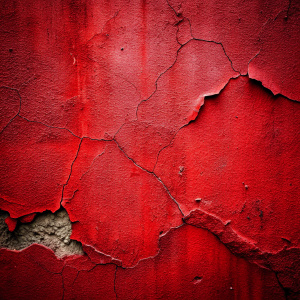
149	149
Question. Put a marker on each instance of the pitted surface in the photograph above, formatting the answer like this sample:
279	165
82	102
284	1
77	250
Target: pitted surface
48	229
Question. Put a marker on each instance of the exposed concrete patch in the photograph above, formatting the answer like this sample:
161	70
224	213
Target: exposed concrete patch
48	229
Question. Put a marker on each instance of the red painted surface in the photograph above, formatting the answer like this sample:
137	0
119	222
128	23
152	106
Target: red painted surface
34	272
130	207
177	272
236	24
201	69
11	223
242	161
28	218
276	57
137	117
35	163
193	265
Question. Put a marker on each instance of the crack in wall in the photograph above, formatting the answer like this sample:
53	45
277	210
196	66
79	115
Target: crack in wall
18	112
256	252
53	230
64	185
152	173
170	67
203	40
245	248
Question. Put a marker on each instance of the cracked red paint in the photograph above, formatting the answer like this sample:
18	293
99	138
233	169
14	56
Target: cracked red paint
179	96
11	223
241	162
130	206
185	266
277	63
35	164
284	263
184	257
9	105
34	271
107	109
235	24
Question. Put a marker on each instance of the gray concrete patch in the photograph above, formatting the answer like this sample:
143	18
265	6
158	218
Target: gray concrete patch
52	230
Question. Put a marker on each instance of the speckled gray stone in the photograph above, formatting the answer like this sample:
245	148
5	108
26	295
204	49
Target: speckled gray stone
52	230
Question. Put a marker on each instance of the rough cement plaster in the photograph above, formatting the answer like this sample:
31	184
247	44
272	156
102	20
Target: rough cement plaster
48	229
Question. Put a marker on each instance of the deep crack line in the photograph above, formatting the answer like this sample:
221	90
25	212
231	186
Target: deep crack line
71	168
176	58
210	41
191	121
156	81
153	174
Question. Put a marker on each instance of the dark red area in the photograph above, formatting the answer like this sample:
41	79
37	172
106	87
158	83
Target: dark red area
192	264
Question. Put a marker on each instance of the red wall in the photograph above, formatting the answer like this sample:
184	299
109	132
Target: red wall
169	131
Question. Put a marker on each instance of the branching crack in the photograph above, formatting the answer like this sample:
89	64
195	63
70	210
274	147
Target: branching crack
156	81
153	174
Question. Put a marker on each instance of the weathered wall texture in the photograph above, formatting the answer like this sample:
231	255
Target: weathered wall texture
50	230
161	137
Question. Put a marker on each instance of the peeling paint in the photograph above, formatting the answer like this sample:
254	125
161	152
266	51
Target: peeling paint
130	206
240	166
35	163
50	230
149	149
274	55
243	247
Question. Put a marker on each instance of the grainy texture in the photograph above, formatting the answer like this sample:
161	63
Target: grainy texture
150	149
50	230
